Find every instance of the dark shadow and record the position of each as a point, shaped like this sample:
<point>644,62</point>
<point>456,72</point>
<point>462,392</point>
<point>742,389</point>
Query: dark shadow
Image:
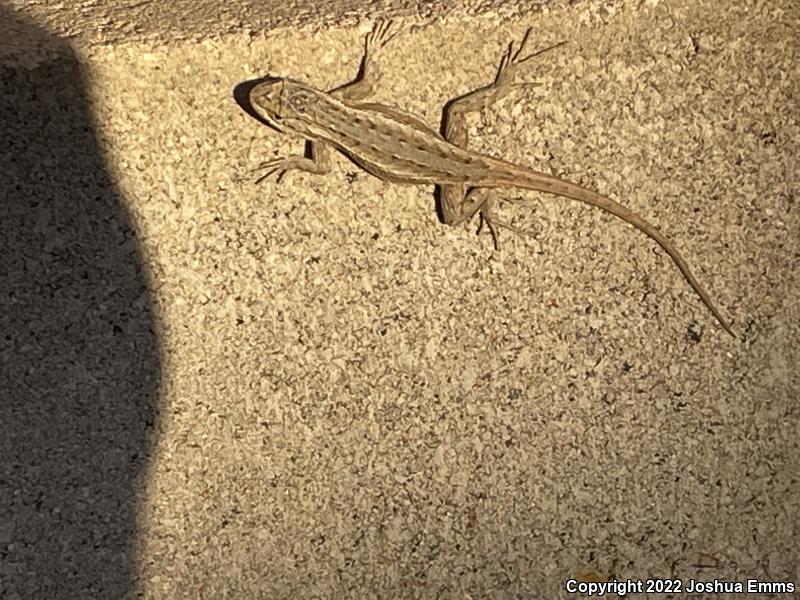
<point>241,95</point>
<point>79,358</point>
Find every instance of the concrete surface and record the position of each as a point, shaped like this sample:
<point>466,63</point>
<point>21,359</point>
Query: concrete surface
<point>97,22</point>
<point>213,389</point>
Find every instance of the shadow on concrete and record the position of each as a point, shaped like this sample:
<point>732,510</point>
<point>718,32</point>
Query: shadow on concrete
<point>79,358</point>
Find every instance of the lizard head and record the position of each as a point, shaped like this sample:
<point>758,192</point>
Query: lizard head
<point>286,105</point>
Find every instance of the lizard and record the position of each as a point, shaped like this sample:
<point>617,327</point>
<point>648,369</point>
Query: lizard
<point>400,147</point>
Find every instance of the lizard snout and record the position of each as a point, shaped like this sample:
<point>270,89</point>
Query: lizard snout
<point>266,98</point>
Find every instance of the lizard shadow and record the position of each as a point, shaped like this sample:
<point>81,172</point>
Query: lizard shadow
<point>79,353</point>
<point>241,95</point>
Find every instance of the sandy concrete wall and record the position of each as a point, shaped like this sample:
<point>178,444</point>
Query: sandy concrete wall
<point>118,21</point>
<point>213,388</point>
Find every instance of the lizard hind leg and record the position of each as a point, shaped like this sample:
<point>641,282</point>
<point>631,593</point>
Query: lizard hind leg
<point>454,126</point>
<point>457,206</point>
<point>484,201</point>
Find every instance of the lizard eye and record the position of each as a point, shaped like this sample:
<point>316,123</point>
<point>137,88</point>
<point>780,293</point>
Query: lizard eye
<point>300,100</point>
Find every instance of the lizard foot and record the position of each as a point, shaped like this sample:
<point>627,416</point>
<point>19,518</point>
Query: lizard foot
<point>493,224</point>
<point>511,62</point>
<point>281,166</point>
<point>382,33</point>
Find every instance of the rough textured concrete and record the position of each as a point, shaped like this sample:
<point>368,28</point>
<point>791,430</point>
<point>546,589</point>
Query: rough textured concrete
<point>96,22</point>
<point>314,389</point>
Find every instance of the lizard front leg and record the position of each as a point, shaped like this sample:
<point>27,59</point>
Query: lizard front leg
<point>316,161</point>
<point>457,203</point>
<point>363,85</point>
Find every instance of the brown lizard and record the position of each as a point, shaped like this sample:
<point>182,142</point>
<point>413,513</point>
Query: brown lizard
<point>401,147</point>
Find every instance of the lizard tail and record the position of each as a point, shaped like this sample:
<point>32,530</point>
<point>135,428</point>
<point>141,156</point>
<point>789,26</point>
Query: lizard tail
<point>546,183</point>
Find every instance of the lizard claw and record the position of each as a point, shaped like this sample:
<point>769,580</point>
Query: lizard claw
<point>281,166</point>
<point>492,230</point>
<point>511,61</point>
<point>528,84</point>
<point>493,225</point>
<point>382,33</point>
